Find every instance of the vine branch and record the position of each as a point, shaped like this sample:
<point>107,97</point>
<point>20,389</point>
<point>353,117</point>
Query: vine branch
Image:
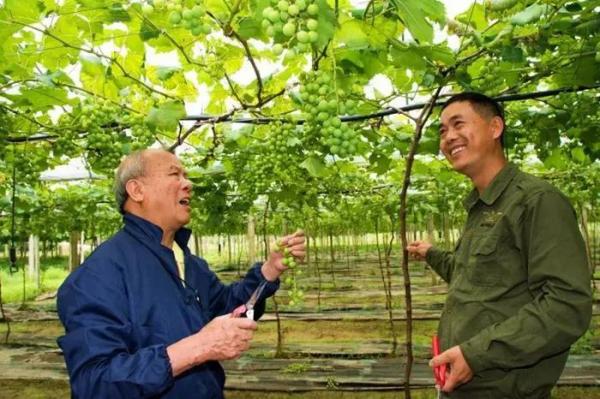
<point>227,117</point>
<point>112,60</point>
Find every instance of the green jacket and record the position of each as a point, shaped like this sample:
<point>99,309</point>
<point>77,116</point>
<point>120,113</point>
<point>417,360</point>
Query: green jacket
<point>519,290</point>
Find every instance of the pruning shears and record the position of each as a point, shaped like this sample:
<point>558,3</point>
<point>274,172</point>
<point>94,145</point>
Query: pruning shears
<point>248,307</point>
<point>439,372</point>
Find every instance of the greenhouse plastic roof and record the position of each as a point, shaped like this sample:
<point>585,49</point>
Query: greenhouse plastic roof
<point>74,170</point>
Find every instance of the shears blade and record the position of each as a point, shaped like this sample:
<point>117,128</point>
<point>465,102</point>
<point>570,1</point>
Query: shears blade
<point>248,307</point>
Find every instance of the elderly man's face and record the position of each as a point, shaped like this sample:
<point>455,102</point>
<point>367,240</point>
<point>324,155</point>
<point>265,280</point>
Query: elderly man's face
<point>167,190</point>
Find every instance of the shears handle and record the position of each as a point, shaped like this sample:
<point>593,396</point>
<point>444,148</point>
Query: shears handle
<point>239,311</point>
<point>439,372</point>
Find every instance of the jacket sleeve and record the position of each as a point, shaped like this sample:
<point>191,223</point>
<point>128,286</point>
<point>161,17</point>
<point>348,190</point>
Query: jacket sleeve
<point>559,280</point>
<point>224,299</point>
<point>441,261</point>
<point>101,357</point>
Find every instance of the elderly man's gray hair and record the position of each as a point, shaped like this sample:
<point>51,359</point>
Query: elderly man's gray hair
<point>131,167</point>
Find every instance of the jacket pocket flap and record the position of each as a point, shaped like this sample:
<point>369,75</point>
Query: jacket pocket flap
<point>486,246</point>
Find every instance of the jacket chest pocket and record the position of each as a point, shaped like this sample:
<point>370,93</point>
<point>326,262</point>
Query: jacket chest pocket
<point>484,267</point>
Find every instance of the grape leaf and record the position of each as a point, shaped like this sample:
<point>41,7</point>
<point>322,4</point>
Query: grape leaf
<point>166,116</point>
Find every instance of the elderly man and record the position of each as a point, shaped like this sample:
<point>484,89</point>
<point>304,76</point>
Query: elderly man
<point>519,283</point>
<point>138,325</point>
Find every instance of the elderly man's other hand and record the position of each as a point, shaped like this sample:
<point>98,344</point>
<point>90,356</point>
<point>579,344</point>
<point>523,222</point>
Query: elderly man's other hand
<point>295,245</point>
<point>225,337</point>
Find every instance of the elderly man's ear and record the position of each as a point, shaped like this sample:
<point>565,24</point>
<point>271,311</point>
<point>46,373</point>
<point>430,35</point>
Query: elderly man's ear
<point>135,190</point>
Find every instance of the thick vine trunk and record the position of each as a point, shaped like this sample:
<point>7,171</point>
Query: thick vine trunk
<point>431,239</point>
<point>33,269</point>
<point>308,249</point>
<point>586,236</point>
<point>319,281</point>
<point>279,348</point>
<point>332,258</point>
<point>229,254</point>
<point>420,124</point>
<point>74,254</point>
<point>250,237</point>
<point>198,244</point>
<point>4,318</point>
<point>331,250</point>
<point>238,241</point>
<point>386,289</point>
<point>388,270</point>
<point>347,245</point>
<point>44,249</point>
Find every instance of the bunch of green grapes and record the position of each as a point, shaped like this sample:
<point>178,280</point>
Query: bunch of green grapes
<point>252,171</point>
<point>321,105</point>
<point>108,131</point>
<point>257,176</point>
<point>103,152</point>
<point>97,112</point>
<point>283,152</point>
<point>29,161</point>
<point>106,140</point>
<point>500,5</point>
<point>295,294</point>
<point>272,162</point>
<point>490,75</point>
<point>142,136</point>
<point>191,15</point>
<point>282,139</point>
<point>292,20</point>
<point>66,143</point>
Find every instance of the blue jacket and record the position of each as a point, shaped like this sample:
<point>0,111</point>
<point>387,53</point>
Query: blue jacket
<point>125,304</point>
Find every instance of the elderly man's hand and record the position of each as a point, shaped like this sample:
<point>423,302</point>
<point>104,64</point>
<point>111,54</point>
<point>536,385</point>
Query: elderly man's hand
<point>225,337</point>
<point>459,370</point>
<point>295,245</point>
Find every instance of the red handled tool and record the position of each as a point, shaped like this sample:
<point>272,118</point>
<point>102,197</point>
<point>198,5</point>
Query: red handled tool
<point>439,372</point>
<point>248,308</point>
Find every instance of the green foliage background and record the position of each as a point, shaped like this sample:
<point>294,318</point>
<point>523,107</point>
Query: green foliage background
<point>78,79</point>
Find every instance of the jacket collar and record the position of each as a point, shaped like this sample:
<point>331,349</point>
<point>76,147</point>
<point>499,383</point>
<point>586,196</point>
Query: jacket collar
<point>495,189</point>
<point>142,227</point>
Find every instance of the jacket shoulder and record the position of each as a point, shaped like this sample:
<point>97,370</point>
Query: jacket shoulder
<point>106,261</point>
<point>115,249</point>
<point>538,192</point>
<point>533,186</point>
<point>201,263</point>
